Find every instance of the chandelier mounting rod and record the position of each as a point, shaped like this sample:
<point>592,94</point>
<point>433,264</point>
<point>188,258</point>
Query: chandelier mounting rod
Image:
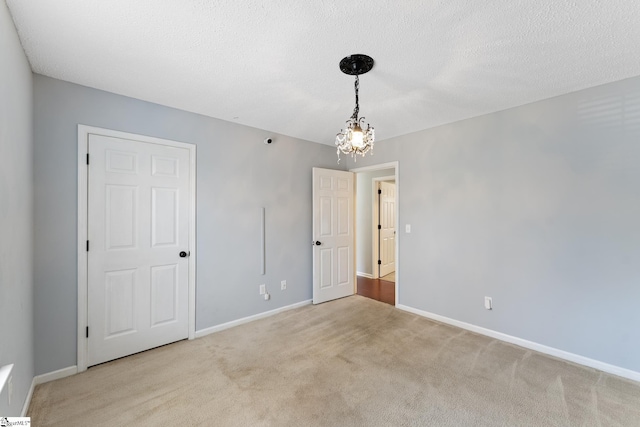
<point>356,110</point>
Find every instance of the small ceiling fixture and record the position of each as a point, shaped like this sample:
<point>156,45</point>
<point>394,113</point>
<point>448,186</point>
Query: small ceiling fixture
<point>354,139</point>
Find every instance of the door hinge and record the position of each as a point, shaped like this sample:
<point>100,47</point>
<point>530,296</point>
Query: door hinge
<point>379,262</point>
<point>379,191</point>
<point>87,158</point>
<point>87,246</point>
<point>379,227</point>
<point>87,332</point>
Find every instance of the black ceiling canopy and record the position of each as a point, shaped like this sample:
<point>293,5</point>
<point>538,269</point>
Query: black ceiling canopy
<point>357,64</point>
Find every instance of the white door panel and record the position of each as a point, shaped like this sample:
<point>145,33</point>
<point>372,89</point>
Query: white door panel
<point>333,224</point>
<point>387,228</point>
<point>138,223</point>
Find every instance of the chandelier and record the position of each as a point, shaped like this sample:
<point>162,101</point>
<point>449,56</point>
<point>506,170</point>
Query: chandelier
<point>355,139</point>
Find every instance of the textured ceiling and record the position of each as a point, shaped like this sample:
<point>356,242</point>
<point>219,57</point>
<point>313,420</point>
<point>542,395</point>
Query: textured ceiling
<point>274,64</point>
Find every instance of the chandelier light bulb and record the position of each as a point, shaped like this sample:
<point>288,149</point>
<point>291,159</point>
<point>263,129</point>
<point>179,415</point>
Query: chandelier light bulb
<point>357,137</point>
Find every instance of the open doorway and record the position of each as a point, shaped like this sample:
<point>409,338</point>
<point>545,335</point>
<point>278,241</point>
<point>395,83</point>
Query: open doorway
<point>376,238</point>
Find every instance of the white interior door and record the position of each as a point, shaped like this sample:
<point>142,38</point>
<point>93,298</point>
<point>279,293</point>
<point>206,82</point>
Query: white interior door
<point>333,235</point>
<point>387,228</point>
<point>138,225</point>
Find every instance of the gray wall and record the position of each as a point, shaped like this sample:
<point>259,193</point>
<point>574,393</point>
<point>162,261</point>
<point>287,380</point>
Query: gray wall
<point>364,220</point>
<point>236,175</point>
<point>536,206</point>
<point>16,214</point>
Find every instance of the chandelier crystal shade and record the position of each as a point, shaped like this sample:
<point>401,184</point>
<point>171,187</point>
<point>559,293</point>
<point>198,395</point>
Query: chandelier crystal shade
<point>355,138</point>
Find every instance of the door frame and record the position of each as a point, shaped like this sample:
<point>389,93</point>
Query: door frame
<point>375,212</point>
<point>396,167</point>
<point>83,313</point>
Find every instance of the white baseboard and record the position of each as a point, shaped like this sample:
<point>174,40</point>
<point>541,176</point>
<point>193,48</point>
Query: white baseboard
<point>27,400</point>
<point>367,275</point>
<point>223,326</point>
<point>45,378</point>
<point>561,354</point>
<point>55,375</point>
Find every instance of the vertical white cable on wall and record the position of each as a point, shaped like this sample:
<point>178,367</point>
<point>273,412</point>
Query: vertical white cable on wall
<point>263,260</point>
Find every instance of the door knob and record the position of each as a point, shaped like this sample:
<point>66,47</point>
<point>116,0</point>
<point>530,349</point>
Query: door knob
<point>183,254</point>
<point>318,243</point>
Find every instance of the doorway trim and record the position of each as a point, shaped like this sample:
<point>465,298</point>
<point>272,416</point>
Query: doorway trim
<point>396,167</point>
<point>375,212</point>
<point>83,313</point>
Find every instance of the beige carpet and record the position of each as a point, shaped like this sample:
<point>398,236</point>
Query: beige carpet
<point>351,362</point>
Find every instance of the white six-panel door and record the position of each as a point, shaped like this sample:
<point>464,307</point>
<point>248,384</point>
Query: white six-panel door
<point>333,235</point>
<point>387,228</point>
<point>138,223</point>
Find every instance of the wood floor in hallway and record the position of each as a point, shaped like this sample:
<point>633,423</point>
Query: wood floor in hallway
<point>377,289</point>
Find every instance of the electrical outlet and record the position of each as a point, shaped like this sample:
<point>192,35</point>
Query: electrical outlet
<point>267,297</point>
<point>263,289</point>
<point>488,303</point>
<point>10,389</point>
<point>283,285</point>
